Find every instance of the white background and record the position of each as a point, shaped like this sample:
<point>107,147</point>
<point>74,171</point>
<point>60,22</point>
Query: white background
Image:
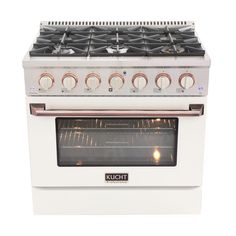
<point>215,24</point>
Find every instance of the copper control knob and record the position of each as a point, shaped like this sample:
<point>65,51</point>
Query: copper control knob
<point>186,80</point>
<point>92,81</point>
<point>46,81</point>
<point>116,81</point>
<point>69,81</point>
<point>163,81</point>
<point>139,81</point>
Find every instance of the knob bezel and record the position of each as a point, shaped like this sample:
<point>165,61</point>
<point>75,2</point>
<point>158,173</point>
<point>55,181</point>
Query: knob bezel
<point>185,75</point>
<point>90,75</point>
<point>44,75</point>
<point>69,75</point>
<point>139,75</point>
<point>163,75</point>
<point>116,75</point>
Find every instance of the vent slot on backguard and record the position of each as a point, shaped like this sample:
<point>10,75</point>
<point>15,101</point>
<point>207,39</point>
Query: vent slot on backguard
<point>117,23</point>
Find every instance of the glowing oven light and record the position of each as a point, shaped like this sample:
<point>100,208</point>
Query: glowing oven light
<point>156,156</point>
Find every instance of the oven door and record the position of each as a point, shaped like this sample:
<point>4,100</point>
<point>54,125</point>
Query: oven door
<point>116,145</point>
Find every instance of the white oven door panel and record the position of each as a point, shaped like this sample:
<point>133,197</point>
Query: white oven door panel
<point>43,148</point>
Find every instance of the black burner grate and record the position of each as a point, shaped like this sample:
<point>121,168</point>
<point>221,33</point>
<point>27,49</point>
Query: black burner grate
<point>117,41</point>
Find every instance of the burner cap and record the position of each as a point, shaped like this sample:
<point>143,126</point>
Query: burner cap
<point>172,49</point>
<point>63,51</point>
<point>117,49</point>
<point>68,51</point>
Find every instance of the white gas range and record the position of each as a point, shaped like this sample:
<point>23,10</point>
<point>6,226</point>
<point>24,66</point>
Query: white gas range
<point>116,117</point>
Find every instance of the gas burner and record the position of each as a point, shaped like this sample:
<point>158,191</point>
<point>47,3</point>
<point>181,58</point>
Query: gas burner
<point>174,49</point>
<point>121,49</point>
<point>83,41</point>
<point>64,51</point>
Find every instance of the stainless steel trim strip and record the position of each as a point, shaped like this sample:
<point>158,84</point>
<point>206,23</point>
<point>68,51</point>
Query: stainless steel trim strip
<point>40,110</point>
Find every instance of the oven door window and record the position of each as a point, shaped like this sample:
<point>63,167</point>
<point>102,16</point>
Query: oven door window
<point>116,142</point>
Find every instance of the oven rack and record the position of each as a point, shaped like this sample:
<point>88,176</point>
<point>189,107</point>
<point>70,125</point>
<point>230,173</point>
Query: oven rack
<point>113,139</point>
<point>78,129</point>
<point>94,133</point>
<point>107,147</point>
<point>106,123</point>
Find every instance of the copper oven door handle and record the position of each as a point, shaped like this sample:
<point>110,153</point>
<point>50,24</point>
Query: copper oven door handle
<point>39,110</point>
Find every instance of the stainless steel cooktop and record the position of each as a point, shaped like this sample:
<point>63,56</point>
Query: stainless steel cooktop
<point>125,39</point>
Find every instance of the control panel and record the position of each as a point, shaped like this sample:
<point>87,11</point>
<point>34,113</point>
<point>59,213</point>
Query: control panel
<point>116,81</point>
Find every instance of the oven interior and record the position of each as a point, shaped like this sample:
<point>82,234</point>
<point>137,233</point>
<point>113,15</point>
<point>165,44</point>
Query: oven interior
<point>116,141</point>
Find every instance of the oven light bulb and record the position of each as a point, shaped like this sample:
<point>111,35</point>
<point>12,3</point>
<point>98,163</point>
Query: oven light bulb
<point>156,156</point>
